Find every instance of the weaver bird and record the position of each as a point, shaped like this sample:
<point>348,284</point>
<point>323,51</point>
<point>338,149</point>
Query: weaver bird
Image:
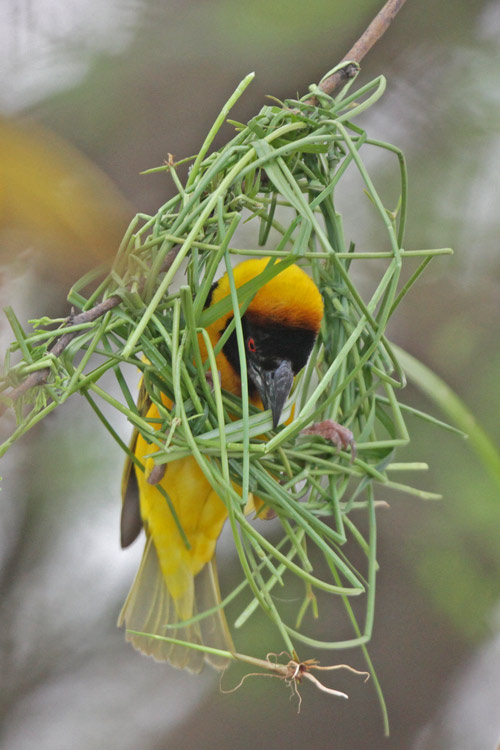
<point>174,583</point>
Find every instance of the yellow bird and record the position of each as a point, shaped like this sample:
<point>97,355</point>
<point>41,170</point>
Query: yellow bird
<point>173,582</point>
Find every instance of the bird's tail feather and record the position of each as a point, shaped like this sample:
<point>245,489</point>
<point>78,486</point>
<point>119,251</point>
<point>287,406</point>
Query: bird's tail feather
<point>214,627</point>
<point>149,607</point>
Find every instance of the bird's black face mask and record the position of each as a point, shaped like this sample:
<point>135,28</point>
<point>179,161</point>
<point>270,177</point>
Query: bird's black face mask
<point>273,385</point>
<point>275,354</point>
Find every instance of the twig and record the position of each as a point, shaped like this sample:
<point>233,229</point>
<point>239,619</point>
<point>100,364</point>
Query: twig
<point>370,36</point>
<point>59,345</point>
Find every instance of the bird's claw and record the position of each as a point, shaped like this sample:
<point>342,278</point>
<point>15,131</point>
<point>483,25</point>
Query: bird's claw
<point>340,436</point>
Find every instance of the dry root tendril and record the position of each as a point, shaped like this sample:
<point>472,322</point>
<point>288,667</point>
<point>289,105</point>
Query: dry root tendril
<point>294,672</point>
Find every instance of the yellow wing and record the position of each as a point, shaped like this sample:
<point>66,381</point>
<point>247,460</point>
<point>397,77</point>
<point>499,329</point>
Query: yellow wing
<point>164,590</point>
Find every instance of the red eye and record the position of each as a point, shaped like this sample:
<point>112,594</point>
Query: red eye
<point>251,345</point>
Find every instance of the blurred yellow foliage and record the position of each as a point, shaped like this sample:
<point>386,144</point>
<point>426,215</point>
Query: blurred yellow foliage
<point>53,200</point>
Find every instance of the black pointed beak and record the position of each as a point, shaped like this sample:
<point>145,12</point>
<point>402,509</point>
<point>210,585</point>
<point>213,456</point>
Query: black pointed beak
<point>273,385</point>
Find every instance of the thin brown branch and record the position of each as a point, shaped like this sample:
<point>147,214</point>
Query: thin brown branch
<point>370,36</point>
<point>59,345</point>
<point>171,256</point>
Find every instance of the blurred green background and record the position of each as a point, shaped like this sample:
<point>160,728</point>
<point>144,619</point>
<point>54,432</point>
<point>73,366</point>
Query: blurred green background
<point>125,83</point>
